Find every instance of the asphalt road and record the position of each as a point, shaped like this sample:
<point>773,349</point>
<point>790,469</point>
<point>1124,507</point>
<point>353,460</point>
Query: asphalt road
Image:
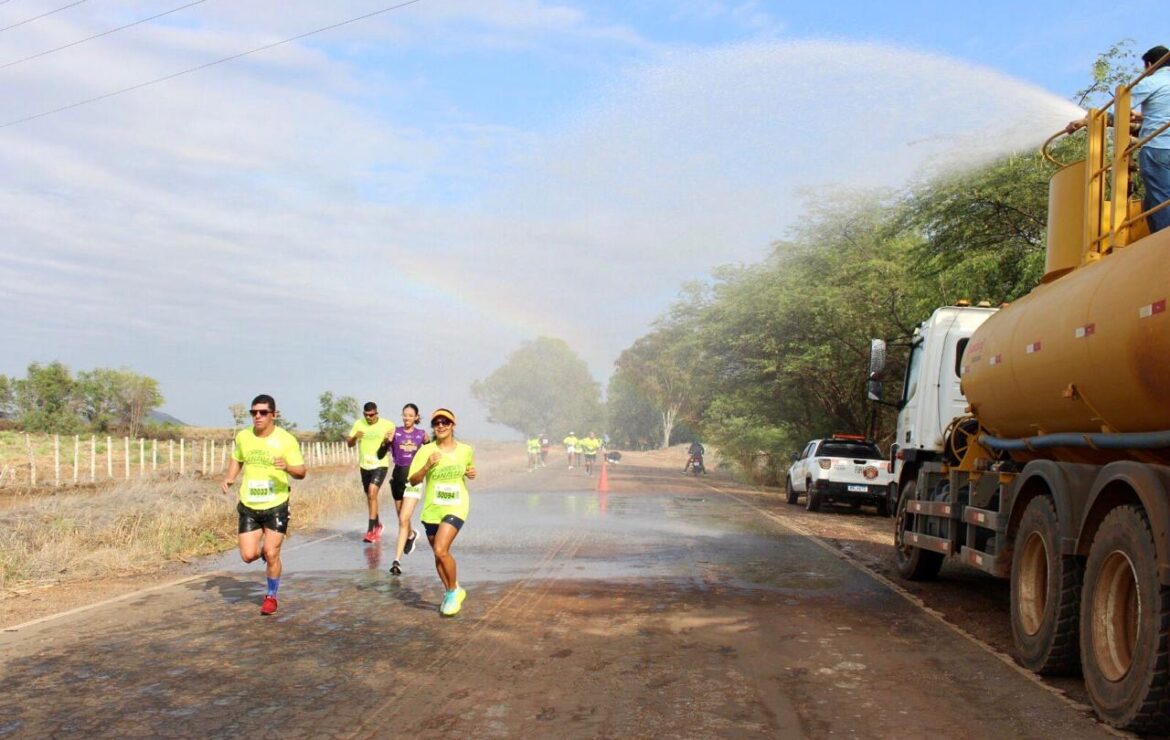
<point>667,607</point>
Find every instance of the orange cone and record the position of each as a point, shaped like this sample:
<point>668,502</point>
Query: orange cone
<point>603,480</point>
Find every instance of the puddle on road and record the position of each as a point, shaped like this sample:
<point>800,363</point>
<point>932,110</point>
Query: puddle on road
<point>569,536</point>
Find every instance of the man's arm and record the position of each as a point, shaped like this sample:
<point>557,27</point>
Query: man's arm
<point>232,472</point>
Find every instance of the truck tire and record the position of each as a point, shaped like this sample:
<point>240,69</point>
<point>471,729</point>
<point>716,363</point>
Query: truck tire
<point>1125,625</point>
<point>812,499</point>
<point>792,496</point>
<point>914,563</point>
<point>1045,594</point>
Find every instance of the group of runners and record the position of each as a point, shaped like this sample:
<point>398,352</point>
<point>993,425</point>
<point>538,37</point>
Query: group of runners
<point>433,471</point>
<point>583,449</point>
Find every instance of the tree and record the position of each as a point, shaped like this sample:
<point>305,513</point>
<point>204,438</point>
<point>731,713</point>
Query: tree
<point>542,387</point>
<point>6,396</point>
<point>335,416</point>
<point>239,412</point>
<point>45,399</point>
<point>120,399</point>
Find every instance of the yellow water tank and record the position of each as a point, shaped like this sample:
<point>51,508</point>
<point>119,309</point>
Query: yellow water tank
<point>1087,352</point>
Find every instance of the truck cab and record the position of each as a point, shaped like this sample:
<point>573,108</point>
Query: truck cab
<point>931,397</point>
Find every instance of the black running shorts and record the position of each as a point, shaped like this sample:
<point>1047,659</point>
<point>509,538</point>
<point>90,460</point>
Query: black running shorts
<point>375,477</point>
<point>398,481</point>
<point>454,521</point>
<point>274,519</point>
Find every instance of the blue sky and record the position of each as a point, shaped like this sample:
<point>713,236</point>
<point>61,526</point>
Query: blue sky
<point>388,209</point>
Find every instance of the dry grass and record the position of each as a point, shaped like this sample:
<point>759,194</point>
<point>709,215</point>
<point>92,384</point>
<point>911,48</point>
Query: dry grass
<point>135,527</point>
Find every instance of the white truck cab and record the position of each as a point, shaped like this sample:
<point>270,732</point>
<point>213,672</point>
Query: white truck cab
<point>931,395</point>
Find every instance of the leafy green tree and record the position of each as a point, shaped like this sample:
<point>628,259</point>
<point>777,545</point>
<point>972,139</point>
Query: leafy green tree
<point>45,399</point>
<point>1115,66</point>
<point>543,387</point>
<point>336,416</point>
<point>6,395</point>
<point>633,422</point>
<point>116,399</point>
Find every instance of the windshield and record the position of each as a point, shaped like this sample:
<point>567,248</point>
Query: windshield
<point>855,450</point>
<point>913,369</point>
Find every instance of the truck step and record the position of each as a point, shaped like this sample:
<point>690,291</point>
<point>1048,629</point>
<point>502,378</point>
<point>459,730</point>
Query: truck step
<point>927,542</point>
<point>981,560</point>
<point>931,508</point>
<point>981,518</point>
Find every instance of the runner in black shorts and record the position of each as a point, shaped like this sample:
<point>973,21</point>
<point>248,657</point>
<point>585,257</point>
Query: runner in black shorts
<point>402,446</point>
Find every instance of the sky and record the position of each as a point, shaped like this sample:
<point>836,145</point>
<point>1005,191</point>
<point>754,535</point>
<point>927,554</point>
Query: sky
<point>389,208</point>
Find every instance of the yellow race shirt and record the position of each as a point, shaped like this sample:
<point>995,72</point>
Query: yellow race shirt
<point>262,485</point>
<point>570,443</point>
<point>446,491</point>
<point>590,445</point>
<point>371,440</point>
<point>534,445</point>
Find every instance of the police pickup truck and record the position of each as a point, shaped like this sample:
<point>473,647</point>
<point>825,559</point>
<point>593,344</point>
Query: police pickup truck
<point>843,468</point>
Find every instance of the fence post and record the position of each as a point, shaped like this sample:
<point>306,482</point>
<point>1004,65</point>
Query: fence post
<point>57,460</point>
<point>182,457</point>
<point>93,458</point>
<point>32,463</point>
<point>141,457</point>
<point>76,457</point>
<point>171,456</point>
<point>109,457</point>
<point>154,456</point>
<point>126,461</point>
<point>213,455</point>
<point>203,456</point>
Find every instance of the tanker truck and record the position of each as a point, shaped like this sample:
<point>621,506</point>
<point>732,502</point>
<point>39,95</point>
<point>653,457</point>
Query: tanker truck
<point>1033,440</point>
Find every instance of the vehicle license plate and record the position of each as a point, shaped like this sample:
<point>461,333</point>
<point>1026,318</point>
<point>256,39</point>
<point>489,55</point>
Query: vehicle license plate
<point>858,489</point>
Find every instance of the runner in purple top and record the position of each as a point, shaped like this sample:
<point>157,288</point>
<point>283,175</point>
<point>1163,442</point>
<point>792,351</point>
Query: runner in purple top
<point>406,441</point>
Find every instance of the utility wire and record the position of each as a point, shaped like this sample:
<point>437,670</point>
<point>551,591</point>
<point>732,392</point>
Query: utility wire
<point>42,15</point>
<point>199,67</point>
<point>6,65</point>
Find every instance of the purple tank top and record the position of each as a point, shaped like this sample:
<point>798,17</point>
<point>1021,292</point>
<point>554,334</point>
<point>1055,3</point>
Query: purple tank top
<point>405,444</point>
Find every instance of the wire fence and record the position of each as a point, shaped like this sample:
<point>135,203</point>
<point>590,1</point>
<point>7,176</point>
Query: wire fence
<point>56,461</point>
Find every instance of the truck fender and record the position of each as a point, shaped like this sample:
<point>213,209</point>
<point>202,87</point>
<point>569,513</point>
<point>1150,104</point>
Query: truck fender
<point>1128,482</point>
<point>1068,484</point>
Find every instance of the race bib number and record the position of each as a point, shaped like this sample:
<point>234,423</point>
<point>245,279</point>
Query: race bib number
<point>414,491</point>
<point>261,490</point>
<point>448,494</point>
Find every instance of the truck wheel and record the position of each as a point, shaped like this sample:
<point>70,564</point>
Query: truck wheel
<point>1046,593</point>
<point>914,563</point>
<point>812,499</point>
<point>792,494</point>
<point>1125,625</point>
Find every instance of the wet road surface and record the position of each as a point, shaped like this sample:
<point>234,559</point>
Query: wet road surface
<point>663,608</point>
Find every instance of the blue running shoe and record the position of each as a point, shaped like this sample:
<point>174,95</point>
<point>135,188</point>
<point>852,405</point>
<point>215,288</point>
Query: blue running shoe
<point>453,602</point>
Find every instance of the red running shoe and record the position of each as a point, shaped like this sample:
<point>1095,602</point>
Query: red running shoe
<point>269,606</point>
<point>375,535</point>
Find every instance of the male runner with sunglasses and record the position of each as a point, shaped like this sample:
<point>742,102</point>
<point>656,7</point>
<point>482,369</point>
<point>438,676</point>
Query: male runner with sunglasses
<point>371,431</point>
<point>268,456</point>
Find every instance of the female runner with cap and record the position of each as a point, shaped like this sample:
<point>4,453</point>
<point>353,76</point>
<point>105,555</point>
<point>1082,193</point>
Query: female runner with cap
<point>445,463</point>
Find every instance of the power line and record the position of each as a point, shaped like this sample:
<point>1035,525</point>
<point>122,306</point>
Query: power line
<point>199,67</point>
<point>42,15</point>
<point>96,35</point>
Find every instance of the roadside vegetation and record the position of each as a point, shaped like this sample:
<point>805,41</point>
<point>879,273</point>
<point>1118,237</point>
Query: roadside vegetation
<point>135,527</point>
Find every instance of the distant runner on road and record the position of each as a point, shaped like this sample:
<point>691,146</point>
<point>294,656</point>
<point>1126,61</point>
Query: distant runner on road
<point>402,446</point>
<point>368,433</point>
<point>589,447</point>
<point>445,464</point>
<point>533,445</point>
<point>268,456</point>
<point>571,448</point>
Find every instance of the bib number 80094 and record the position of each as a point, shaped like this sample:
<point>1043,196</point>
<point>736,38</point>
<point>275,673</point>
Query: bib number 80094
<point>447,494</point>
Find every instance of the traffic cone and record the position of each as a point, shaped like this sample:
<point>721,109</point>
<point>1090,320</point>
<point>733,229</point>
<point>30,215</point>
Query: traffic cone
<point>603,480</point>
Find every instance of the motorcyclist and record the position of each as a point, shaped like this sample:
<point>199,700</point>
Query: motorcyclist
<point>695,458</point>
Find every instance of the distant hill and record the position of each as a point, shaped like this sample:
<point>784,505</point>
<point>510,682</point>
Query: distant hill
<point>161,418</point>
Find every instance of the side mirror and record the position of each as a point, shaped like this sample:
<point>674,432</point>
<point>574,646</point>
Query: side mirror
<point>873,389</point>
<point>795,457</point>
<point>877,360</point>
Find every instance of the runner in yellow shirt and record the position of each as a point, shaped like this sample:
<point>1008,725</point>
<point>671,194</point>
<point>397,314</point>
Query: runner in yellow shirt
<point>589,447</point>
<point>267,456</point>
<point>533,453</point>
<point>445,464</point>
<point>369,433</point>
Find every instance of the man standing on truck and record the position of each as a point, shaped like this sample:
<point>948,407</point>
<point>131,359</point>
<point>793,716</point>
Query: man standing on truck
<point>1152,94</point>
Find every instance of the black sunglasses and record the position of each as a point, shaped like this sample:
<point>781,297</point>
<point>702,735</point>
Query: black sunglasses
<point>259,412</point>
<point>442,423</point>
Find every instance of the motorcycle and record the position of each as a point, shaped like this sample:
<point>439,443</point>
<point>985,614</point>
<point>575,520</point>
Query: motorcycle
<point>695,465</point>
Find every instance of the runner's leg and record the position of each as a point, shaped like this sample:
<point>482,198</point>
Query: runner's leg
<point>444,561</point>
<point>250,545</point>
<point>272,543</point>
<point>405,512</point>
